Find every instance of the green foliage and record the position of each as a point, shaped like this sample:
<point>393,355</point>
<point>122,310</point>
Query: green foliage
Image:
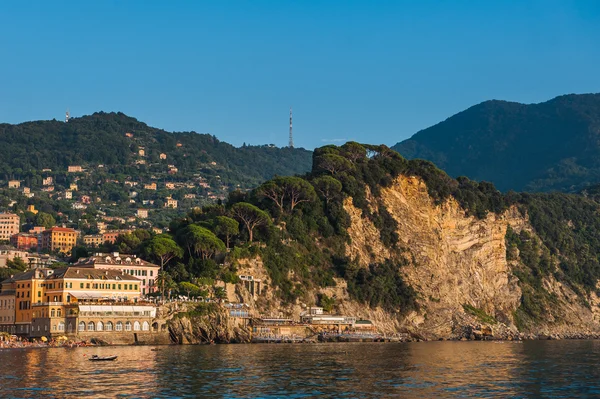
<point>251,216</point>
<point>17,264</point>
<point>191,290</point>
<point>164,248</point>
<point>202,309</point>
<point>326,303</point>
<point>481,315</point>
<point>201,241</point>
<point>100,139</point>
<point>45,219</point>
<point>226,227</point>
<point>379,285</point>
<point>535,147</point>
<point>219,293</point>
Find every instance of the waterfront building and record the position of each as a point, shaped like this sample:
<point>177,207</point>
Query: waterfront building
<point>315,316</point>
<point>75,300</point>
<point>14,183</point>
<point>130,264</point>
<point>7,308</point>
<point>9,225</point>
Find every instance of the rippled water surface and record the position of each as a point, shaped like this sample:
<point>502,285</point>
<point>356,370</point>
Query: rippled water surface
<point>548,369</point>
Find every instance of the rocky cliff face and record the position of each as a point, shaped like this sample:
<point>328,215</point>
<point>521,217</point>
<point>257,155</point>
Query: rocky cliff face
<point>456,263</point>
<point>188,326</point>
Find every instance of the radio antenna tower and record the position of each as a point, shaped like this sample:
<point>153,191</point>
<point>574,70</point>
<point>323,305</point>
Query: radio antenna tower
<point>291,144</point>
<point>67,116</point>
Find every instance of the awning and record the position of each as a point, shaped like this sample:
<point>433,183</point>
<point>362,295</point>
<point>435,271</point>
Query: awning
<point>93,295</point>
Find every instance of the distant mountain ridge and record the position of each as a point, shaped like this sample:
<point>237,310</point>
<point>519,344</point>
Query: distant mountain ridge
<point>115,140</point>
<point>550,146</point>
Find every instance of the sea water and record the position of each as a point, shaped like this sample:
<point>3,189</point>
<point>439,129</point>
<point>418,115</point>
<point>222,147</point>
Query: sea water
<point>534,369</point>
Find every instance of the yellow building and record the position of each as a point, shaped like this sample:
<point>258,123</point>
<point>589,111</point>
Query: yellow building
<point>93,240</point>
<point>75,300</point>
<point>59,239</point>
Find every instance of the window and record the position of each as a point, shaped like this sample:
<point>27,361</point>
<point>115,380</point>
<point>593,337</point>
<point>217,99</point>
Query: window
<point>128,326</point>
<point>119,286</point>
<point>109,326</point>
<point>81,326</point>
<point>114,286</point>
<point>58,312</point>
<point>91,326</point>
<point>145,326</point>
<point>80,285</point>
<point>100,326</point>
<point>136,326</point>
<point>119,326</point>
<point>61,326</point>
<point>52,313</point>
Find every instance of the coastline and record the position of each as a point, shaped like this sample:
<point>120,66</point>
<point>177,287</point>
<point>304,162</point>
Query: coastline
<point>23,344</point>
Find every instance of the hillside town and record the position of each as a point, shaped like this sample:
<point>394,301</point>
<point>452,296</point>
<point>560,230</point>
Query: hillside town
<point>91,198</point>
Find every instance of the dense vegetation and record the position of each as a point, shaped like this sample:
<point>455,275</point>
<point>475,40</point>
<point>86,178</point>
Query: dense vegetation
<point>539,147</point>
<point>298,227</point>
<point>99,139</point>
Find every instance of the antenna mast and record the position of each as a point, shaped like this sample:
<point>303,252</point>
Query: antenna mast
<point>291,144</point>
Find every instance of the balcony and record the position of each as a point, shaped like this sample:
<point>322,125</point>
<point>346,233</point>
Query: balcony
<point>48,304</point>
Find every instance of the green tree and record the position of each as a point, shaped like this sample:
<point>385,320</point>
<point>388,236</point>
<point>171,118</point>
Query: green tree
<point>328,186</point>
<point>201,241</point>
<point>17,264</point>
<point>219,293</point>
<point>191,290</point>
<point>290,190</point>
<point>226,227</point>
<point>164,248</point>
<point>250,215</point>
<point>333,163</point>
<point>45,219</point>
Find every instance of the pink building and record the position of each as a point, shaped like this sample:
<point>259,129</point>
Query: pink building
<point>130,264</point>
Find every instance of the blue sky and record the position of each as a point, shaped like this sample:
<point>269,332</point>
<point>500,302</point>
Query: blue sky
<point>370,71</point>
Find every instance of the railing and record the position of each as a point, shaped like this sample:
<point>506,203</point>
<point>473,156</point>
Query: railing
<point>49,304</point>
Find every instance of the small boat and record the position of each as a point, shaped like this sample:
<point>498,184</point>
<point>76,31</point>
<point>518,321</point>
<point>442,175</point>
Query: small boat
<point>96,358</point>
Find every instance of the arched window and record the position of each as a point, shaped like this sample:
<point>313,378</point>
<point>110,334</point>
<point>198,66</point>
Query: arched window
<point>58,312</point>
<point>145,326</point>
<point>119,326</point>
<point>70,328</point>
<point>155,326</point>
<point>109,326</point>
<point>81,326</point>
<point>136,326</point>
<point>128,326</point>
<point>61,326</point>
<point>52,313</point>
<point>100,326</point>
<point>91,326</point>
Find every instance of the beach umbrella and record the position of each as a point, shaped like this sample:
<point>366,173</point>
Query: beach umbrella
<point>44,339</point>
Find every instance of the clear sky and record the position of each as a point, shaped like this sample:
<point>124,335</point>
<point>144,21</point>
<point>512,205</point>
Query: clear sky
<point>370,71</point>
